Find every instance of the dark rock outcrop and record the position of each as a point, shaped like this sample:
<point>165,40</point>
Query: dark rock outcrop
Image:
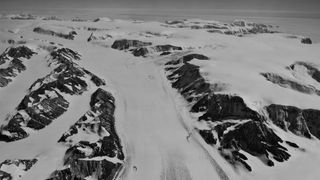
<point>41,30</point>
<point>84,158</point>
<point>124,44</point>
<point>144,51</point>
<point>306,40</point>
<point>52,18</point>
<point>140,51</point>
<point>167,47</point>
<point>311,117</point>
<point>255,138</point>
<point>139,48</point>
<point>302,122</point>
<point>289,118</point>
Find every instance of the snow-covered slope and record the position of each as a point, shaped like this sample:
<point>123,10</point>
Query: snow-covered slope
<point>189,99</point>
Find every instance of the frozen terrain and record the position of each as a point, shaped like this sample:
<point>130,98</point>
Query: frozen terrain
<point>181,100</point>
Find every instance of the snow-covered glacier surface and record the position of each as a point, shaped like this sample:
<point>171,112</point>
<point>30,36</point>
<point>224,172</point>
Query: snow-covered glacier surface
<point>182,99</point>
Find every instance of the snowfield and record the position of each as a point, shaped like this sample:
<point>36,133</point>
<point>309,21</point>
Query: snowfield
<point>159,135</point>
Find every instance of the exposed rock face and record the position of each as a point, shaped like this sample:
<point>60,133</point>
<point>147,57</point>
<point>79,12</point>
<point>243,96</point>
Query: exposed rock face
<point>44,102</point>
<point>140,51</point>
<point>11,41</point>
<point>124,44</point>
<point>78,19</point>
<point>64,56</point>
<point>300,122</point>
<point>34,114</point>
<point>306,40</point>
<point>14,57</point>
<point>252,28</point>
<point>255,138</point>
<point>41,30</point>
<point>139,48</point>
<point>101,157</point>
<point>312,119</point>
<point>287,83</point>
<point>144,51</point>
<point>17,167</point>
<point>233,125</point>
<point>167,47</point>
<point>219,107</point>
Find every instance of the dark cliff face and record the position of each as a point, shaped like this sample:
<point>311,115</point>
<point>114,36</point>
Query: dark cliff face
<point>99,120</point>
<point>15,56</point>
<point>302,122</point>
<point>299,121</point>
<point>44,102</point>
<point>236,126</point>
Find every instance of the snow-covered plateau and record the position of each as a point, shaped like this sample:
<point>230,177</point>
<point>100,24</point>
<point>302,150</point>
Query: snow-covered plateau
<point>184,99</point>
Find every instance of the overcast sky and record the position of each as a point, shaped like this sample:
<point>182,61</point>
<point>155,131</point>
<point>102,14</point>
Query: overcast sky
<point>287,5</point>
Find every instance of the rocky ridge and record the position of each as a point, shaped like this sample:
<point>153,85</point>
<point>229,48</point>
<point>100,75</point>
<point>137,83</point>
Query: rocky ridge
<point>44,101</point>
<point>11,63</point>
<point>237,27</point>
<point>140,48</point>
<point>94,148</point>
<point>232,126</point>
